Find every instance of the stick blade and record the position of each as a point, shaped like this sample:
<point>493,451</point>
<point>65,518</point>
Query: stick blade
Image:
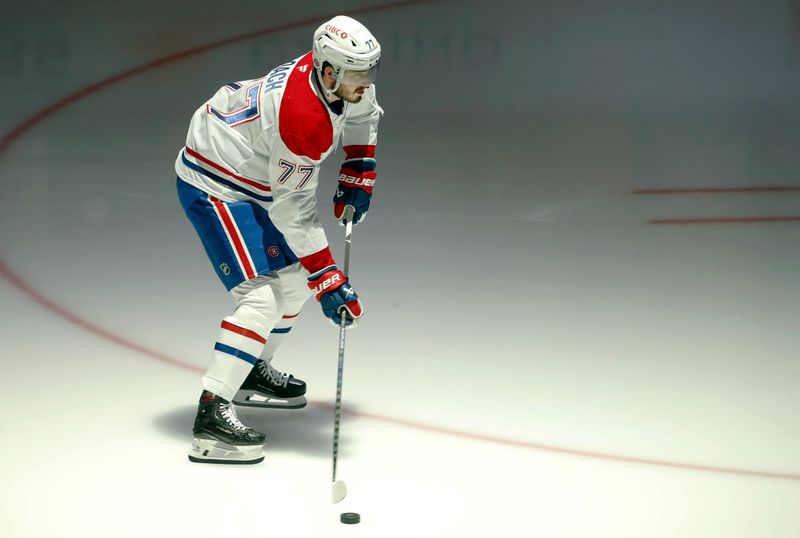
<point>338,491</point>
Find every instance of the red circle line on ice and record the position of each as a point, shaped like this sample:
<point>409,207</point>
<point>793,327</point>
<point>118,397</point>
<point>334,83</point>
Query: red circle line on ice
<point>67,315</point>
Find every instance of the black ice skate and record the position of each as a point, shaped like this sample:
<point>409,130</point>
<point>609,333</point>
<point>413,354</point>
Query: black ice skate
<point>219,437</point>
<point>267,387</point>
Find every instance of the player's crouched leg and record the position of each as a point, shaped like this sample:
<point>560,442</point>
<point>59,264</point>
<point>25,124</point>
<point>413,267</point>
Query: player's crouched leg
<point>218,434</point>
<point>266,386</point>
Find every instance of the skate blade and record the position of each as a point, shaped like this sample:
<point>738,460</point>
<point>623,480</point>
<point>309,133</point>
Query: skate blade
<point>195,459</point>
<point>213,451</point>
<point>256,399</point>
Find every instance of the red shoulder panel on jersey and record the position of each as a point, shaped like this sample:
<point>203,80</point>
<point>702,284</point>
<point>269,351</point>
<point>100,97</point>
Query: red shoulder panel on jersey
<point>305,125</point>
<point>360,152</point>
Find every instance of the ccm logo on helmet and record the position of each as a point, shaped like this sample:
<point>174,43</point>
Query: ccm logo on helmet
<point>334,30</point>
<point>344,178</point>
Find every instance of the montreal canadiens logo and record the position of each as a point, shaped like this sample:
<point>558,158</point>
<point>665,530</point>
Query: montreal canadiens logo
<point>273,251</point>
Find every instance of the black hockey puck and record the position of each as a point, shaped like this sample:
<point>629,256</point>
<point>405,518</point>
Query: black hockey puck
<point>350,518</point>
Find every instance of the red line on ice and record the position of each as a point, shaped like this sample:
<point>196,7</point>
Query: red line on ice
<point>726,220</point>
<point>718,190</point>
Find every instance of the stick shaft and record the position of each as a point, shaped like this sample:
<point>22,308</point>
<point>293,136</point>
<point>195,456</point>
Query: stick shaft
<point>348,234</point>
<point>338,413</point>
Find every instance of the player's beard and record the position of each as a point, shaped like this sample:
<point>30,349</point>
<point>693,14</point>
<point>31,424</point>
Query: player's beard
<point>348,93</point>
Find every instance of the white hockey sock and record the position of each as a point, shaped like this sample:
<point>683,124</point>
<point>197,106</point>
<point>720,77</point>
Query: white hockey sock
<point>235,353</point>
<point>278,335</point>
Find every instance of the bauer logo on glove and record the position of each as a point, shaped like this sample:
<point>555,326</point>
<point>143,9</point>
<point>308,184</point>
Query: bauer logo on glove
<point>327,283</point>
<point>355,180</point>
<point>335,295</point>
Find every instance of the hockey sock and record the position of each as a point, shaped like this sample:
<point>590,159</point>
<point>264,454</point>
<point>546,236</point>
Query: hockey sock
<point>278,335</point>
<point>235,352</point>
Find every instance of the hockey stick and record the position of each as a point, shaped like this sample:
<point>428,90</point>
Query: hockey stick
<point>338,487</point>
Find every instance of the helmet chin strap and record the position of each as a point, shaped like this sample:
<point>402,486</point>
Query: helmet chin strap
<point>337,81</point>
<point>328,91</point>
<point>333,90</point>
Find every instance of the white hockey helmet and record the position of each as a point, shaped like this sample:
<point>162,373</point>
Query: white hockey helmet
<point>350,48</point>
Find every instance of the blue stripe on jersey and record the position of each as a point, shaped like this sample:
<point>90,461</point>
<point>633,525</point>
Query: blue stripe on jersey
<point>281,331</point>
<point>222,180</point>
<point>234,85</point>
<point>360,165</point>
<point>236,353</point>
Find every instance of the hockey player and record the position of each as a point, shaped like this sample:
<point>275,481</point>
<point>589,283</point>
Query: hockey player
<point>247,179</point>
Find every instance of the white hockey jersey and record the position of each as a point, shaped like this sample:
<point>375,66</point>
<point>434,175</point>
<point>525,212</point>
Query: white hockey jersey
<point>263,140</point>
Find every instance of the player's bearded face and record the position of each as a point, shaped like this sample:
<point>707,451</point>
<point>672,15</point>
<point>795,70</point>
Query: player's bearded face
<point>355,83</point>
<point>351,94</point>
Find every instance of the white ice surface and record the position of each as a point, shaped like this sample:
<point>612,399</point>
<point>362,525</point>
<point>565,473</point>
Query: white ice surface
<point>513,288</point>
